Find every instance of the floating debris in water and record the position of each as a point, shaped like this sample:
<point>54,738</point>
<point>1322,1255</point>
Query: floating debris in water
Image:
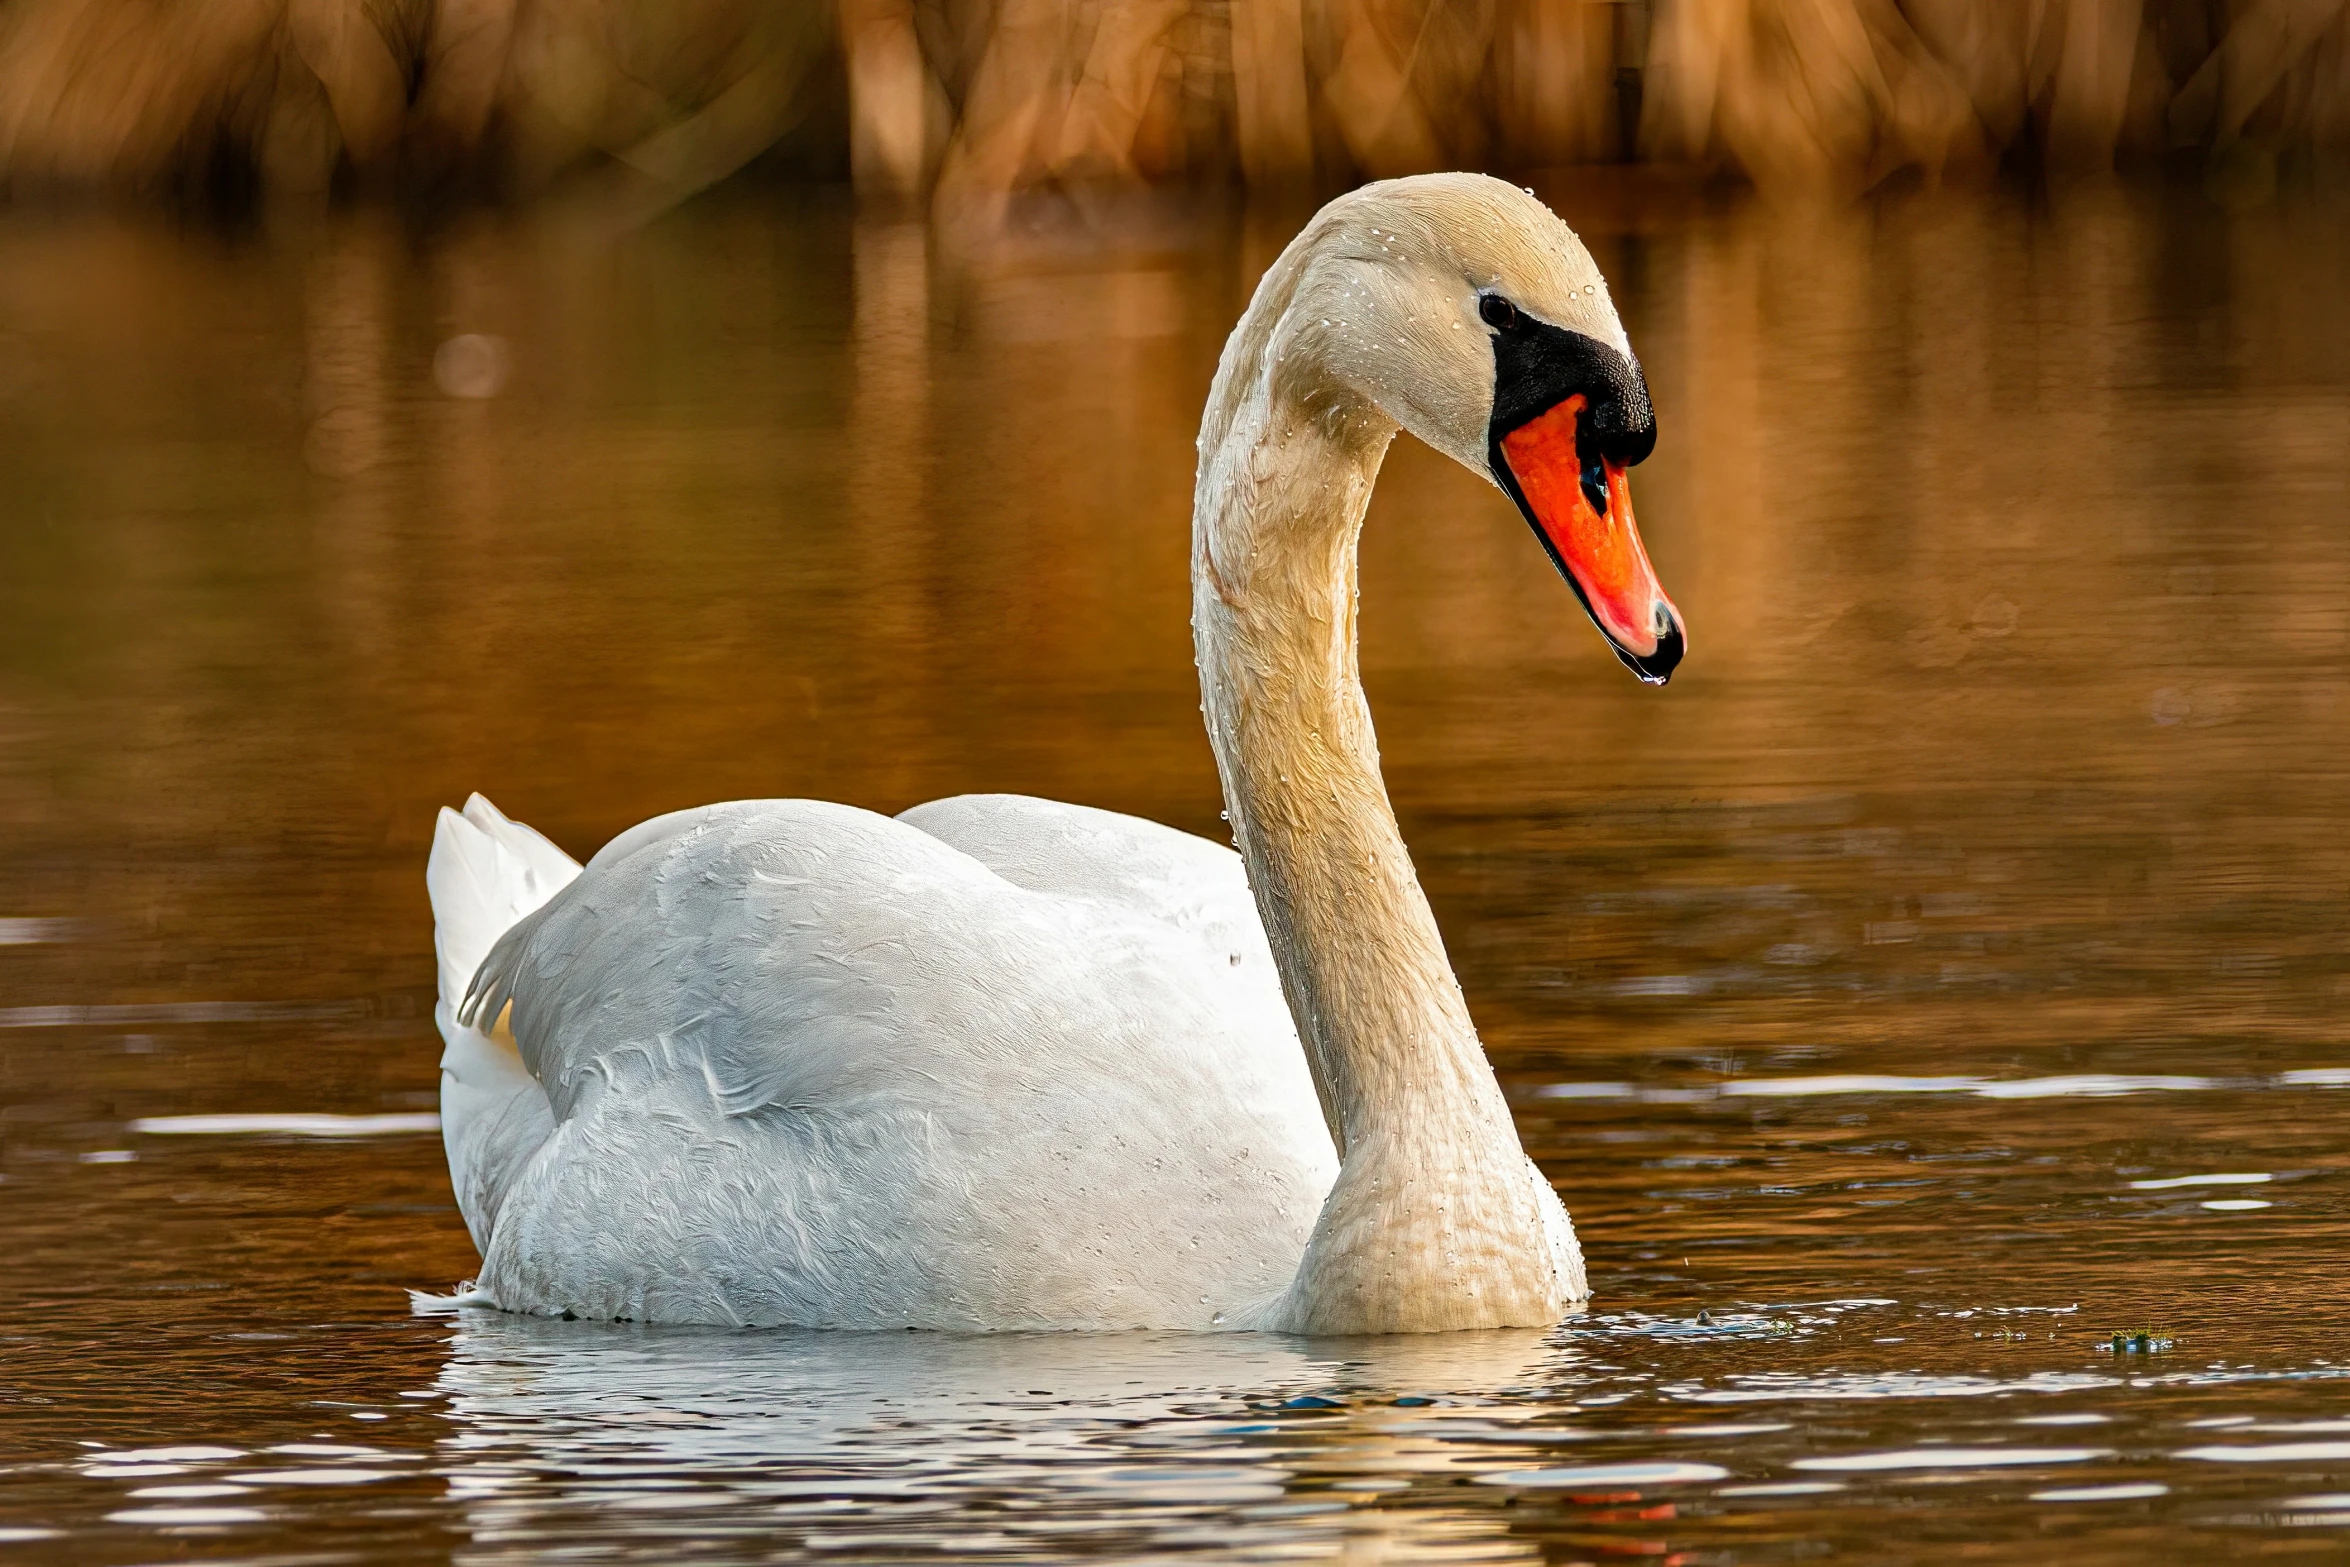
<point>2140,1341</point>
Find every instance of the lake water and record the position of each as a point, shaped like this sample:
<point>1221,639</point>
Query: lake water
<point>1945,973</point>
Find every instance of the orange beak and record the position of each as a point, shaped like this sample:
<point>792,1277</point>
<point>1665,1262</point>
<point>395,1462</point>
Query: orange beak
<point>1584,514</point>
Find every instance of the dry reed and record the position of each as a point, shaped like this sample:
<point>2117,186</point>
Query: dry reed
<point>979,99</point>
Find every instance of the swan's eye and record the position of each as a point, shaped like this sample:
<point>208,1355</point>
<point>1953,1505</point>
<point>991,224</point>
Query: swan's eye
<point>1595,485</point>
<point>1496,311</point>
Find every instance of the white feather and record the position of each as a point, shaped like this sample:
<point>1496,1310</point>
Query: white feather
<point>805,1064</point>
<point>484,874</point>
<point>1006,1063</point>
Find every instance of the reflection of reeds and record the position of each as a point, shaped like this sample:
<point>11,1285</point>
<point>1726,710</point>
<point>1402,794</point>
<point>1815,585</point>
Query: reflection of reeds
<point>296,93</point>
<point>986,97</point>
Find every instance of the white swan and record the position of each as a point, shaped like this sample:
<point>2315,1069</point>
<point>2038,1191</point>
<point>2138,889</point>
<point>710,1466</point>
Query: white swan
<point>1006,1063</point>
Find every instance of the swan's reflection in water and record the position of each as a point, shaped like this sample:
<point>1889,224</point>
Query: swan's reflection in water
<point>1030,1446</point>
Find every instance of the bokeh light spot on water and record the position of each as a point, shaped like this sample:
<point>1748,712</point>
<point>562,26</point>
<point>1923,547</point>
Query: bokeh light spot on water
<point>1886,997</point>
<point>472,365</point>
<point>1995,616</point>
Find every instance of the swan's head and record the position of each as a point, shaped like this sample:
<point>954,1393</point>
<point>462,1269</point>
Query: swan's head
<point>1474,318</point>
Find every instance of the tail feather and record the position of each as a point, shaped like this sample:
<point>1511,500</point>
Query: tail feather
<point>486,872</point>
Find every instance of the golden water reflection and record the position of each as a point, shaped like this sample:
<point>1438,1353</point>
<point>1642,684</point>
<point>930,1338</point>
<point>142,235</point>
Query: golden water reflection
<point>2008,750</point>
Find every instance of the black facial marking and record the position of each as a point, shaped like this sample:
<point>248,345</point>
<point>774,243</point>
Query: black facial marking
<point>1537,366</point>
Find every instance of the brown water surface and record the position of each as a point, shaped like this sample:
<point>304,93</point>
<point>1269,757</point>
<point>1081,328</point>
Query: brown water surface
<point>1942,974</point>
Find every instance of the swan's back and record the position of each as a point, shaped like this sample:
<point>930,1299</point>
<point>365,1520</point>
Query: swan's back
<point>1001,1064</point>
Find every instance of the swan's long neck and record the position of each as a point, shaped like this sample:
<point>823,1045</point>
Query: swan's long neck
<point>1377,1006</point>
<point>1437,1220</point>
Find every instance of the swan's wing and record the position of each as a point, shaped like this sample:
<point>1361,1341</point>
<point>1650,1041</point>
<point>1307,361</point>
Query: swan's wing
<point>782,949</point>
<point>825,1054</point>
<point>485,874</point>
<point>1075,851</point>
<point>787,952</point>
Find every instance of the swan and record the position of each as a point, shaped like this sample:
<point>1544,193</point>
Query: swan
<point>1004,1063</point>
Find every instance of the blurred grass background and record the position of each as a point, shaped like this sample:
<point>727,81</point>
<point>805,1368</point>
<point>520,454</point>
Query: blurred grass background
<point>968,102</point>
